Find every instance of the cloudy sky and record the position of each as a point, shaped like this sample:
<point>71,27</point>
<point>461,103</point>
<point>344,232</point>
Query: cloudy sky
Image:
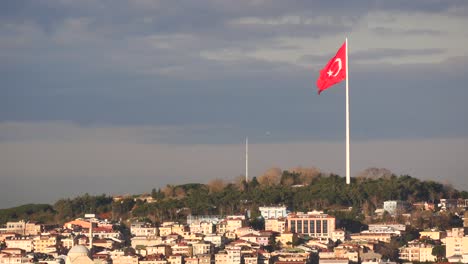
<point>120,96</point>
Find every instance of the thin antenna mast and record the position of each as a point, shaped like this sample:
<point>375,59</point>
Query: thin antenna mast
<point>246,159</point>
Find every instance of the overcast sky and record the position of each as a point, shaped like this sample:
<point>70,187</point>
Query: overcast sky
<point>122,96</point>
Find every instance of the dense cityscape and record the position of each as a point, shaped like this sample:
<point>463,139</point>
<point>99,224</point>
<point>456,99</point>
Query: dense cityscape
<point>129,229</point>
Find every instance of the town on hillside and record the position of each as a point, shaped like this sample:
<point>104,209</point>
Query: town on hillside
<point>278,236</point>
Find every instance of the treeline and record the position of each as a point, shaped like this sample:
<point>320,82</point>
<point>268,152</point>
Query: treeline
<point>299,190</point>
<point>33,212</point>
<point>298,193</point>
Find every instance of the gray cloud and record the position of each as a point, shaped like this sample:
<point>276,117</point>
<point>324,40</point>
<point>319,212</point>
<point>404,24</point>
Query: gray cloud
<point>172,75</point>
<point>376,54</point>
<point>407,32</point>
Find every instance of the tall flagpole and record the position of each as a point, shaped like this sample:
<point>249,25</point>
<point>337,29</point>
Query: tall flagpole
<point>246,159</point>
<point>348,178</point>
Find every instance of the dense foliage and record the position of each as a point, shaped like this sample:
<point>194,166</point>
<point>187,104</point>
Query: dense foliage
<point>298,193</point>
<point>33,212</point>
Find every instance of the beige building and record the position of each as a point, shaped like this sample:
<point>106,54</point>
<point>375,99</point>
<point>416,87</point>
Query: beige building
<point>433,234</point>
<point>25,243</point>
<point>216,240</point>
<point>145,241</point>
<point>286,239</point>
<point>251,259</point>
<point>175,259</point>
<point>143,229</point>
<point>182,249</point>
<point>202,248</point>
<point>383,237</point>
<point>164,250</point>
<point>230,225</point>
<point>456,243</point>
<point>202,227</point>
<point>13,256</point>
<point>118,257</point>
<point>44,244</point>
<point>23,228</point>
<point>420,252</point>
<point>276,225</point>
<point>315,224</point>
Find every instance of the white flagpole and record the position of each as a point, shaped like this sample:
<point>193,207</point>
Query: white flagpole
<point>246,159</point>
<point>348,178</point>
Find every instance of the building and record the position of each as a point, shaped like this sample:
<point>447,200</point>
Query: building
<point>202,248</point>
<point>118,257</point>
<point>372,237</point>
<point>338,234</point>
<point>269,212</point>
<point>202,227</point>
<point>13,256</point>
<point>143,229</point>
<point>44,244</point>
<point>77,223</point>
<point>164,250</point>
<point>216,240</point>
<point>448,204</point>
<point>145,241</point>
<point>230,225</point>
<point>384,228</point>
<point>214,219</point>
<point>419,252</point>
<point>433,234</point>
<point>456,243</point>
<point>23,228</point>
<point>314,224</point>
<point>395,207</point>
<point>25,243</point>
<point>276,224</point>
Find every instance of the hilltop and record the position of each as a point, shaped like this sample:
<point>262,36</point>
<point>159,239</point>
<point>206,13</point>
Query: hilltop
<point>298,190</point>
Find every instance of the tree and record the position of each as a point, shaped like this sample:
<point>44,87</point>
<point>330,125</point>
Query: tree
<point>271,177</point>
<point>439,252</point>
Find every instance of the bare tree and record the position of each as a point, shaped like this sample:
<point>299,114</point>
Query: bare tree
<point>374,173</point>
<point>306,175</point>
<point>216,185</point>
<point>271,177</point>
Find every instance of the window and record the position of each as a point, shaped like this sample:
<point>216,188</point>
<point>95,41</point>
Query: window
<point>312,226</point>
<point>306,226</point>
<point>299,226</point>
<point>293,226</point>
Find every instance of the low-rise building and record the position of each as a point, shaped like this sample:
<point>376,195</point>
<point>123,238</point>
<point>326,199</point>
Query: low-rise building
<point>143,229</point>
<point>25,243</point>
<point>44,244</point>
<point>416,251</point>
<point>269,212</point>
<point>276,224</point>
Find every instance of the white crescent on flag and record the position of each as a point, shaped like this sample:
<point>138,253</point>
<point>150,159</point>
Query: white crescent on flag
<point>340,65</point>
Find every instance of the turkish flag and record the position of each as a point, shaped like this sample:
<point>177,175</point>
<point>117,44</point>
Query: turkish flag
<point>334,71</point>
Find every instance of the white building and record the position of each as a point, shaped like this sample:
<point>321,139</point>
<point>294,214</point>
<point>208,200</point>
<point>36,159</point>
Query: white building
<point>269,212</point>
<point>143,229</point>
<point>395,207</point>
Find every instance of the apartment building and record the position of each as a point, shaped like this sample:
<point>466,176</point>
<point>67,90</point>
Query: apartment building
<point>314,224</point>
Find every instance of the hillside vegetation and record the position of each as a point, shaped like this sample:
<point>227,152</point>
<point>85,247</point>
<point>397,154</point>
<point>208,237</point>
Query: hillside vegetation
<point>298,190</point>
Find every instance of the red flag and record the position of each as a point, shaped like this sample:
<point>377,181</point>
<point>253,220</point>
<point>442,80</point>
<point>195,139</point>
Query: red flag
<point>334,71</point>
